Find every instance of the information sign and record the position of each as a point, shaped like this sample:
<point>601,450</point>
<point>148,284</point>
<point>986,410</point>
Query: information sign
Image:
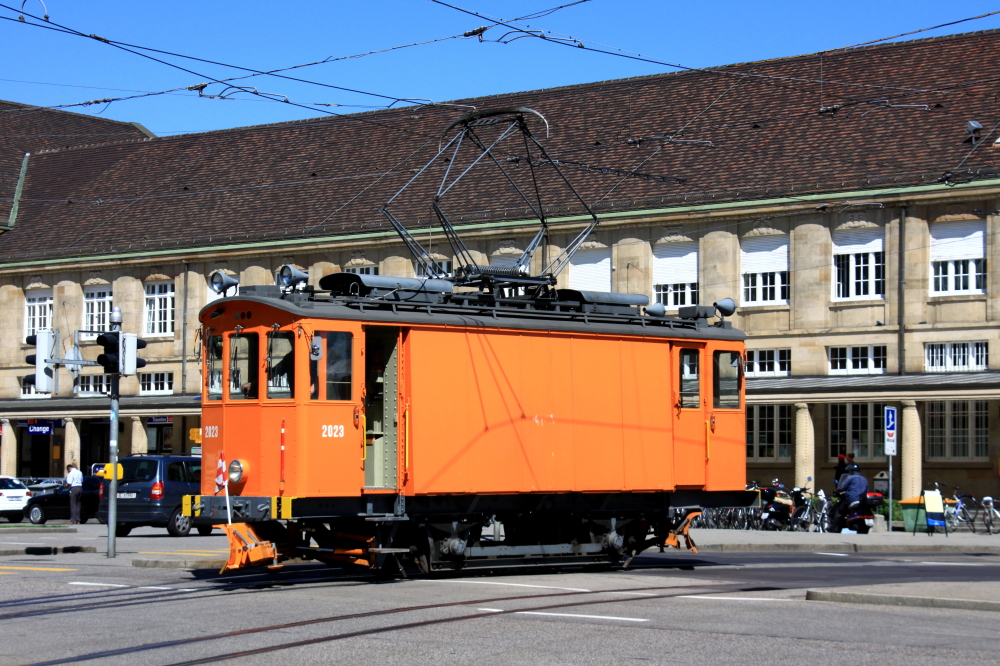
<point>890,431</point>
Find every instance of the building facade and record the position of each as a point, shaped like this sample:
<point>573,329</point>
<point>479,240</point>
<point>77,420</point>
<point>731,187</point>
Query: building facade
<point>863,262</point>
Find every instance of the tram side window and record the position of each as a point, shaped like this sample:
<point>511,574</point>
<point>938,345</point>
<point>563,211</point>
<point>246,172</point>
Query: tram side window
<point>281,364</point>
<point>726,379</point>
<point>243,366</point>
<point>213,371</point>
<point>690,379</point>
<point>331,366</point>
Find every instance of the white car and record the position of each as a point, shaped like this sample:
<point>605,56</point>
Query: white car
<point>13,496</point>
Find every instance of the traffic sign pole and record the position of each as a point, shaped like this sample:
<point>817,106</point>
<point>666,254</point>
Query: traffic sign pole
<point>890,450</point>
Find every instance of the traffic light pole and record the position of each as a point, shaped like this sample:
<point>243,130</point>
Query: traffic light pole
<point>116,325</point>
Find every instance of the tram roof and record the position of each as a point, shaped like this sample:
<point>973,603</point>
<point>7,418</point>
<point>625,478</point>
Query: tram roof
<point>478,317</point>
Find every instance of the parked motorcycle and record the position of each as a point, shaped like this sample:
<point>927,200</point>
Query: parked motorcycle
<point>860,515</point>
<point>775,507</point>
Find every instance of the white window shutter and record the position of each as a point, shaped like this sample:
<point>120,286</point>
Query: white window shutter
<point>764,254</point>
<point>965,239</point>
<point>675,262</point>
<point>504,260</point>
<point>853,241</point>
<point>590,270</point>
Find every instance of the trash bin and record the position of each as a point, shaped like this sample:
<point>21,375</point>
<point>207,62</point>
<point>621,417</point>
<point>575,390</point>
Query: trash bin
<point>913,512</point>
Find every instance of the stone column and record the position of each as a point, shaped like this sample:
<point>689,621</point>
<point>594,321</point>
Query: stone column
<point>912,472</point>
<point>805,447</point>
<point>8,449</point>
<point>139,443</point>
<point>72,443</point>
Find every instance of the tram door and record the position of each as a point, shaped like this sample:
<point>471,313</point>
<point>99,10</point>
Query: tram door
<point>381,406</point>
<point>690,431</point>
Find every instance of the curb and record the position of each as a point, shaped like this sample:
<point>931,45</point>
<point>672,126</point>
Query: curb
<point>178,564</point>
<point>37,530</point>
<point>846,548</point>
<point>48,550</point>
<point>897,600</point>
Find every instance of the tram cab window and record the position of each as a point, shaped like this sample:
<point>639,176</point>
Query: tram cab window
<point>690,379</point>
<point>726,379</point>
<point>331,366</point>
<point>243,366</point>
<point>213,371</point>
<point>281,364</point>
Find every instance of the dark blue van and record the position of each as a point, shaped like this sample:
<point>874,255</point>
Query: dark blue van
<point>150,492</point>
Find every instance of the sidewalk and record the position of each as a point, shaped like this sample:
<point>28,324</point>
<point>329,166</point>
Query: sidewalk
<point>743,541</point>
<point>980,595</point>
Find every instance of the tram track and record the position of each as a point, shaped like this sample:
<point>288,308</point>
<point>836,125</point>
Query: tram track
<point>680,590</point>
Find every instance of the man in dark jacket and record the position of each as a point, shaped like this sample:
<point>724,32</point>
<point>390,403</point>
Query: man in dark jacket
<point>852,488</point>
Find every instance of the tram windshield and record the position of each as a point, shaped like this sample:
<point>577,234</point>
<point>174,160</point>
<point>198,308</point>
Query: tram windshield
<point>331,366</point>
<point>243,366</point>
<point>281,364</point>
<point>727,379</point>
<point>213,372</point>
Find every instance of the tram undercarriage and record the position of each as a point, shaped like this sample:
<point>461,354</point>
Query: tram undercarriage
<point>557,530</point>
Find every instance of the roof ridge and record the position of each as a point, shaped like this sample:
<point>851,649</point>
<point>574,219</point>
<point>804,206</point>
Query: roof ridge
<point>38,107</point>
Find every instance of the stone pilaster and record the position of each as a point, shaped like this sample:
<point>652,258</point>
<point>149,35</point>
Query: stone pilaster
<point>912,472</point>
<point>8,449</point>
<point>139,442</point>
<point>72,443</point>
<point>805,447</point>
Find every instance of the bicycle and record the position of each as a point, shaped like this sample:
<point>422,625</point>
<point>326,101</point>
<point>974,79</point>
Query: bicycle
<point>991,517</point>
<point>965,509</point>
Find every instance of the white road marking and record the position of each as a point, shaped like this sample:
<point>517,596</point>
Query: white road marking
<point>589,617</point>
<point>20,543</point>
<point>98,584</point>
<point>636,594</point>
<point>491,610</point>
<point>959,564</point>
<point>698,596</point>
<point>489,582</point>
<point>833,554</point>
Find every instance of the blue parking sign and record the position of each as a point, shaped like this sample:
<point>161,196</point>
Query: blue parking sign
<point>890,431</point>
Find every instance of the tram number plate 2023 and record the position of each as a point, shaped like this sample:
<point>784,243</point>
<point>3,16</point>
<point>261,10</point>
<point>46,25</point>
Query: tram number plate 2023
<point>211,431</point>
<point>333,431</point>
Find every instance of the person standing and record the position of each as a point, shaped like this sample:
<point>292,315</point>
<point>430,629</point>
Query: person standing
<point>74,479</point>
<point>839,469</point>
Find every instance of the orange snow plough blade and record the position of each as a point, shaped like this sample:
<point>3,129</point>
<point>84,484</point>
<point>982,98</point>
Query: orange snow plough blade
<point>246,550</point>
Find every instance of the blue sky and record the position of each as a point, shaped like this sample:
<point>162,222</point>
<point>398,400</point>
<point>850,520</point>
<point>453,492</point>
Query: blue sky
<point>267,35</point>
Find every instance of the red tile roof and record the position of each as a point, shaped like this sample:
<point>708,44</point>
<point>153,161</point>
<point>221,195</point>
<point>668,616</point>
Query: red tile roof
<point>28,129</point>
<point>773,128</point>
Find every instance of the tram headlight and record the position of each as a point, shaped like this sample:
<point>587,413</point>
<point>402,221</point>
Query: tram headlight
<point>290,276</point>
<point>220,282</point>
<point>237,471</point>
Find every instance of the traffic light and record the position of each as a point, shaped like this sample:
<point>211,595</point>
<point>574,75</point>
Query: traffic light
<point>131,344</point>
<point>42,340</point>
<point>110,359</point>
<point>120,352</point>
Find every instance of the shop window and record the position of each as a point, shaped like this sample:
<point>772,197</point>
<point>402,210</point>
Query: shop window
<point>957,430</point>
<point>769,433</point>
<point>857,427</point>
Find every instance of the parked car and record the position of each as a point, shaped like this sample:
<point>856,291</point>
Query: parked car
<point>13,496</point>
<point>150,493</point>
<point>55,504</point>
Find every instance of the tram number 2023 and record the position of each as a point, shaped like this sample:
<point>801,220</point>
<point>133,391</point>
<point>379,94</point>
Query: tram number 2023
<point>211,431</point>
<point>333,431</point>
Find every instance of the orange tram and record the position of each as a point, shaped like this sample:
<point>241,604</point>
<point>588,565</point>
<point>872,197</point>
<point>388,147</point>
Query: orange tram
<point>390,422</point>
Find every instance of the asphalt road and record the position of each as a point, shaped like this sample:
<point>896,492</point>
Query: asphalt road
<point>744,608</point>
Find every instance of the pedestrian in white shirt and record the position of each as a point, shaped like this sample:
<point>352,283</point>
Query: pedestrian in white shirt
<point>74,479</point>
